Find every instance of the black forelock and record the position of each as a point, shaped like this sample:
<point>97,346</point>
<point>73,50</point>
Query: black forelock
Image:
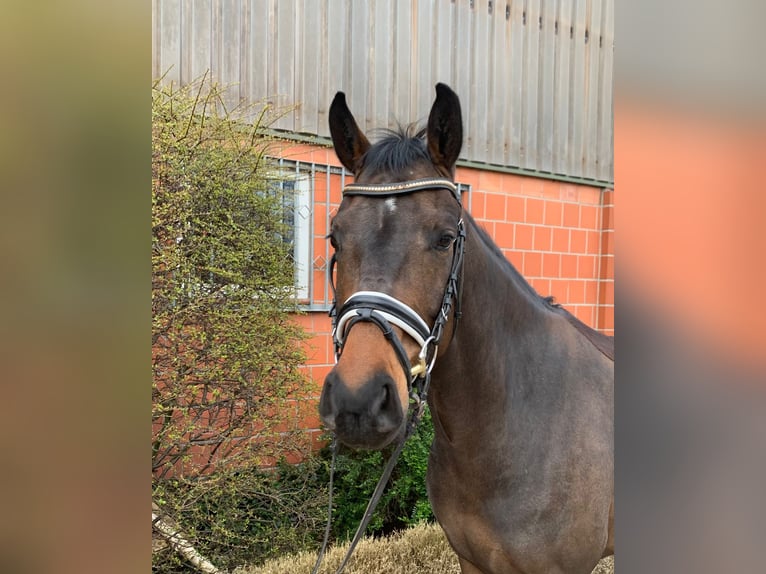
<point>396,150</point>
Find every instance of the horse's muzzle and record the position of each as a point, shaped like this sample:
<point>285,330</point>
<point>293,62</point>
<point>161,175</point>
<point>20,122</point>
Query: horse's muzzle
<point>368,416</point>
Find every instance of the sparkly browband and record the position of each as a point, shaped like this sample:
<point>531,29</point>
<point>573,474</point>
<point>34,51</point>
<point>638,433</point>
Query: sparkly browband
<point>382,189</point>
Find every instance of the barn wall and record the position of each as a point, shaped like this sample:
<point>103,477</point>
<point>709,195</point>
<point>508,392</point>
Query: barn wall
<point>534,76</point>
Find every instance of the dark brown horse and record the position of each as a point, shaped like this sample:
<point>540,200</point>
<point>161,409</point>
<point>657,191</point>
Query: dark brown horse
<point>520,474</point>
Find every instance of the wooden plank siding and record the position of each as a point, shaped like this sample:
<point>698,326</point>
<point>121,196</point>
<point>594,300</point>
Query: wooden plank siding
<point>534,76</point>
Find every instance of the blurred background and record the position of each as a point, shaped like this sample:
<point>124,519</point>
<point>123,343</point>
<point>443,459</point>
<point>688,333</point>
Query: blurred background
<point>690,143</point>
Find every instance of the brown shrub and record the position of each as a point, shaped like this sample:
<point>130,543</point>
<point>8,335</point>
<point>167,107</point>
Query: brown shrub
<point>422,549</point>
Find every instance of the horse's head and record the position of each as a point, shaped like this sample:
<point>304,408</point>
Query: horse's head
<point>394,237</point>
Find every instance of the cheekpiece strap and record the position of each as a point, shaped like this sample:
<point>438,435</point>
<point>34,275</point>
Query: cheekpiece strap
<point>384,189</point>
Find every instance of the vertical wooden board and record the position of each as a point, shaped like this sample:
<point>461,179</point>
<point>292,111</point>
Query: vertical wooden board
<point>605,139</point>
<point>199,38</point>
<point>170,40</point>
<point>462,69</point>
<point>592,56</point>
<point>516,83</point>
<point>228,73</point>
<point>260,33</point>
<point>359,49</point>
<point>403,56</point>
<point>245,64</point>
<point>531,85</point>
<point>185,41</point>
<point>443,51</point>
<point>216,39</point>
<point>296,96</point>
<point>480,95</point>
<point>497,85</point>
<point>561,88</point>
<point>422,89</point>
<point>380,65</point>
<point>337,52</point>
<point>547,79</point>
<point>506,116</point>
<point>577,97</point>
<point>285,61</point>
<point>324,91</point>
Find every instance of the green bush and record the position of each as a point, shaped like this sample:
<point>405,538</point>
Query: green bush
<point>405,500</point>
<point>250,516</point>
<point>246,516</point>
<point>226,351</point>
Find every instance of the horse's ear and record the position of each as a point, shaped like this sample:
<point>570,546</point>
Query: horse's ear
<point>445,128</point>
<point>349,141</point>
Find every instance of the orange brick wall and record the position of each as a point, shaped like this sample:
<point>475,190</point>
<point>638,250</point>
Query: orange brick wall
<point>559,235</point>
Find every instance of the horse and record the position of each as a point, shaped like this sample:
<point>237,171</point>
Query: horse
<point>520,471</point>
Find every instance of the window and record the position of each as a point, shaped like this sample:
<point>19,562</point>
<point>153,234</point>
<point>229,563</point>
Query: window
<point>295,191</point>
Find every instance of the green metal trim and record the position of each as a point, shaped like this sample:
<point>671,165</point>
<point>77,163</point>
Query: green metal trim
<point>327,142</point>
<point>534,173</point>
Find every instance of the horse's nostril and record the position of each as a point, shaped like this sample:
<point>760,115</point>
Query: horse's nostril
<point>387,412</point>
<point>384,398</point>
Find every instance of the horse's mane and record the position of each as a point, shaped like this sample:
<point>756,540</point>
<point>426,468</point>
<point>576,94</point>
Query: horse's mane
<point>602,342</point>
<point>396,150</point>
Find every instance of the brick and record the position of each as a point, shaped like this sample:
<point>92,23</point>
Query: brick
<point>523,238</point>
<point>533,264</point>
<point>607,242</point>
<point>532,187</point>
<point>491,180</point>
<point>569,266</point>
<point>608,218</point>
<point>560,240</point>
<point>535,211</point>
<point>541,285</point>
<point>542,238</point>
<point>594,242</point>
<point>478,199</point>
<point>306,320</point>
<point>577,241</point>
<point>551,263</point>
<point>554,213</point>
<point>560,290</point>
<point>589,195</point>
<point>606,270</point>
<point>606,293</point>
<point>577,292</point>
<point>495,207</point>
<point>552,189</point>
<point>503,234</point>
<point>515,209</point>
<point>589,217</point>
<point>571,215</point>
<point>586,266</point>
<point>568,192</point>
<point>591,291</point>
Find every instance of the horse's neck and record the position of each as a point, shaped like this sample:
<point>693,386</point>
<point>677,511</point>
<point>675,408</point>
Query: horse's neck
<point>498,303</point>
<point>498,307</point>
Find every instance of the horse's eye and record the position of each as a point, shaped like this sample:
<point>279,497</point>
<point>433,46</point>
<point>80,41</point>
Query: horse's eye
<point>445,242</point>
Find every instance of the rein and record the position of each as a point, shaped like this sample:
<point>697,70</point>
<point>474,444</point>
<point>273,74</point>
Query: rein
<point>384,311</point>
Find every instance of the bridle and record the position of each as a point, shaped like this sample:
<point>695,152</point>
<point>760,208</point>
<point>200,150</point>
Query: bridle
<point>386,311</point>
